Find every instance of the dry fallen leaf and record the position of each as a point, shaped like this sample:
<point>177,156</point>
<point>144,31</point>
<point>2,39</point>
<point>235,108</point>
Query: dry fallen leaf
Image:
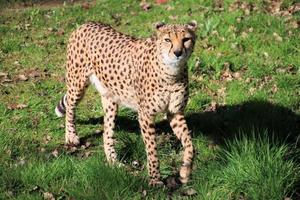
<point>237,76</point>
<point>173,17</point>
<point>227,75</point>
<point>87,144</point>
<point>294,8</point>
<point>8,152</point>
<point>214,32</point>
<point>218,5</point>
<point>86,6</point>
<point>55,153</point>
<point>61,32</point>
<point>274,89</point>
<point>244,34</point>
<point>71,149</point>
<point>47,139</point>
<point>212,107</point>
<point>244,6</point>
<point>221,91</point>
<point>3,74</point>
<point>169,8</point>
<point>34,189</point>
<point>294,24</point>
<point>4,78</point>
<point>247,7</point>
<point>98,131</point>
<point>252,90</point>
<point>277,37</point>
<point>16,106</point>
<point>10,193</point>
<point>48,196</point>
<point>144,193</point>
<point>22,77</point>
<point>87,154</point>
<point>145,5</point>
<point>274,7</point>
<point>21,161</point>
<point>34,73</point>
<point>266,55</point>
<point>42,149</point>
<point>248,80</point>
<point>189,192</point>
<point>213,146</point>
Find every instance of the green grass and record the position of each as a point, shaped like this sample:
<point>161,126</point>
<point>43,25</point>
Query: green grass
<point>250,168</point>
<point>244,109</point>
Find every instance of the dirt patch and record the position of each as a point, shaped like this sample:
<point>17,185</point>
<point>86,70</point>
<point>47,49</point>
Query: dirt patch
<point>41,3</point>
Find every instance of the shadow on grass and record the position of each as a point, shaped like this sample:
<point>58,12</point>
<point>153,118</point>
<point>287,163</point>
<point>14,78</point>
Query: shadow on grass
<point>38,3</point>
<point>253,117</point>
<point>226,122</point>
<point>260,117</point>
<point>122,123</point>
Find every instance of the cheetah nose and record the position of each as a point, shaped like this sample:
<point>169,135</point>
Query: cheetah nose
<point>178,53</point>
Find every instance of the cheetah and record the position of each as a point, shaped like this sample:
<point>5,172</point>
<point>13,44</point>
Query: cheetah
<point>148,75</point>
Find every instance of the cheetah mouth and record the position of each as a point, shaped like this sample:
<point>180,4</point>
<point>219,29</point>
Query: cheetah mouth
<point>179,58</point>
<point>173,60</point>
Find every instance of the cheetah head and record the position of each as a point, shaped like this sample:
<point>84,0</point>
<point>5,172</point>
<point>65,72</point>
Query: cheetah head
<point>175,43</point>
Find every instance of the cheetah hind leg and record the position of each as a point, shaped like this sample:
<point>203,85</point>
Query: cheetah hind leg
<point>60,111</point>
<point>74,96</point>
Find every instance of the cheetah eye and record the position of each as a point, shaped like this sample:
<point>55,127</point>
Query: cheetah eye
<point>167,40</point>
<point>185,39</point>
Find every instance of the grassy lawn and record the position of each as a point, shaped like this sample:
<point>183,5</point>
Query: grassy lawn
<point>244,107</point>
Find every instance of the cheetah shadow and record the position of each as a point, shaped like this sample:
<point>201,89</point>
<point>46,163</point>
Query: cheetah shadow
<point>225,123</point>
<point>122,123</point>
<point>249,119</point>
<point>259,117</point>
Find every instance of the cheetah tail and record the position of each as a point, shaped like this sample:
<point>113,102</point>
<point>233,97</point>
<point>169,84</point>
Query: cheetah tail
<point>60,109</point>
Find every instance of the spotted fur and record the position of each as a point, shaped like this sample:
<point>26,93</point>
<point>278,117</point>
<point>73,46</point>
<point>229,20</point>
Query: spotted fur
<point>148,75</point>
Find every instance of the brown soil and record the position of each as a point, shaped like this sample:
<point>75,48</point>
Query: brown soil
<point>42,3</point>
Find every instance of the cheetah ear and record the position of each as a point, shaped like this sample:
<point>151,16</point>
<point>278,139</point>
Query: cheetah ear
<point>192,25</point>
<point>158,25</point>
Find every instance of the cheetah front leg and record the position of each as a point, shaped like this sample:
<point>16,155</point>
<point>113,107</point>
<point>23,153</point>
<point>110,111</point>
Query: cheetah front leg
<point>110,108</point>
<point>180,129</point>
<point>148,133</point>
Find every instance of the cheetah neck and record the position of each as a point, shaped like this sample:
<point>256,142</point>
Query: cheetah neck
<point>171,73</point>
<point>169,68</point>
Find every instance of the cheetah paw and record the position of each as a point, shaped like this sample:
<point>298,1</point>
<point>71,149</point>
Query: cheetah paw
<point>72,140</point>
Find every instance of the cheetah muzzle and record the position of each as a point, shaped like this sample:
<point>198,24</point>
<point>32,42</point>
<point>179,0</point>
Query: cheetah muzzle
<point>148,75</point>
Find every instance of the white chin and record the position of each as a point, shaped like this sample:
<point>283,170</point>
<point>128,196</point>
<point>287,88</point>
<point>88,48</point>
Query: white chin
<point>173,63</point>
